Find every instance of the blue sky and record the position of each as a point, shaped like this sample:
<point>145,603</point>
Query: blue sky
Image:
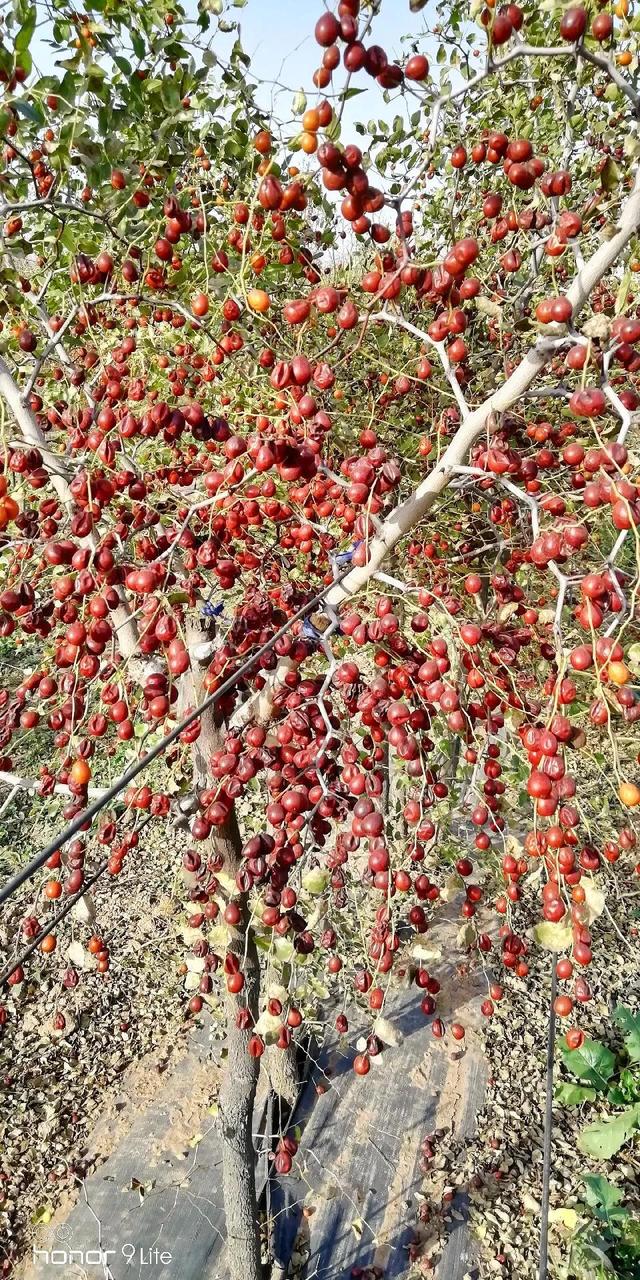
<point>278,34</point>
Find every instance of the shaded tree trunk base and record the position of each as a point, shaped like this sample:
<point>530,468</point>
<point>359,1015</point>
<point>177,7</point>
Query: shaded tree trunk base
<point>357,1170</point>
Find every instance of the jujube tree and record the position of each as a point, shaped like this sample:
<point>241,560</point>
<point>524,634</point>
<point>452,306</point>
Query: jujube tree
<point>244,361</point>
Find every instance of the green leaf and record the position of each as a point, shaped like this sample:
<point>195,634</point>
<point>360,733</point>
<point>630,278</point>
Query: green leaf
<point>571,1095</point>
<point>69,238</point>
<point>170,95</point>
<point>69,87</point>
<point>609,175</point>
<point>333,129</point>
<point>600,1191</point>
<point>602,1196</point>
<point>604,1138</point>
<point>629,1024</point>
<point>628,1246</point>
<point>23,38</point>
<point>593,1062</point>
<point>616,1097</point>
<point>27,109</point>
<point>139,47</point>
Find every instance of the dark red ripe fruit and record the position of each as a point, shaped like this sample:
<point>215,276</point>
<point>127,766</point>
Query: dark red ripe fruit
<point>327,30</point>
<point>573,23</point>
<point>602,26</point>
<point>502,29</point>
<point>27,340</point>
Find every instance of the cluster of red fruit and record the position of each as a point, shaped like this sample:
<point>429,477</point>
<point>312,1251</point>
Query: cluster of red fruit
<point>323,757</point>
<point>330,29</point>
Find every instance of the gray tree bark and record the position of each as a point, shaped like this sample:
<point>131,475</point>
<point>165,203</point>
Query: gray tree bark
<point>281,1068</point>
<point>237,1095</point>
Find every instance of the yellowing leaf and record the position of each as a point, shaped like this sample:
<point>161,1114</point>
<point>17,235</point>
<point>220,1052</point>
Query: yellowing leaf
<point>316,880</point>
<point>487,306</point>
<point>226,882</point>
<point>268,1024</point>
<point>426,954</point>
<point>546,617</point>
<point>466,935</point>
<point>450,888</point>
<point>530,1204</point>
<point>553,937</point>
<point>566,1217</point>
<point>633,659</point>
<point>42,1216</point>
<point>191,935</point>
<point>507,611</point>
<point>513,846</point>
<point>387,1031</point>
<point>278,992</point>
<point>283,948</point>
<point>84,909</point>
<point>79,957</point>
<point>594,899</point>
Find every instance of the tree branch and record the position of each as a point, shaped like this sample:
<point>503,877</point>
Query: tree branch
<point>33,435</point>
<point>409,513</point>
<point>412,510</point>
<point>31,784</point>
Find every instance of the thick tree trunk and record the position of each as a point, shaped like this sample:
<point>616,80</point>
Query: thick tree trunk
<point>237,1095</point>
<point>236,1100</point>
<point>281,1068</point>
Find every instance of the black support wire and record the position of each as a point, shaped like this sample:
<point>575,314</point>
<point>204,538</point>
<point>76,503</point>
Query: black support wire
<point>25,873</point>
<point>28,951</point>
<point>87,884</point>
<point>548,1124</point>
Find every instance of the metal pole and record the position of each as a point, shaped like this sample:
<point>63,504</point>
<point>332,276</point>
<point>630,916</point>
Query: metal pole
<point>548,1122</point>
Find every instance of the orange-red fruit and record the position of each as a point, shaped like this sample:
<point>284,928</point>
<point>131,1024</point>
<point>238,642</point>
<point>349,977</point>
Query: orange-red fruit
<point>200,304</point>
<point>361,1064</point>
<point>417,67</point>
